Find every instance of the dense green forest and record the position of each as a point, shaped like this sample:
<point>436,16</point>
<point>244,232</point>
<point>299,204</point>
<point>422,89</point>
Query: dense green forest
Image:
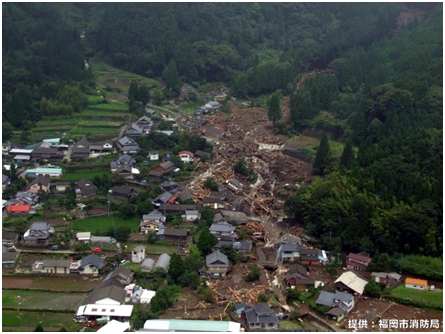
<point>378,86</point>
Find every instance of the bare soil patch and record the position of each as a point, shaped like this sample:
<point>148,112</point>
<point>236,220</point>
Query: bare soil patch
<point>50,283</point>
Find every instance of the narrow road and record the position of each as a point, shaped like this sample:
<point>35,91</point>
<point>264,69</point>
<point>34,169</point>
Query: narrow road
<point>175,114</point>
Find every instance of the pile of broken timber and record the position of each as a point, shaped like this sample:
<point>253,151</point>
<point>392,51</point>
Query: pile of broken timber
<point>257,230</point>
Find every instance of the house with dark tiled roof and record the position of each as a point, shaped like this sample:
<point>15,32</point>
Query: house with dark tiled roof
<point>123,160</point>
<point>152,222</point>
<point>127,145</point>
<point>357,261</point>
<point>85,189</point>
<point>39,234</point>
<point>341,300</point>
<point>217,265</point>
<point>40,183</point>
<point>122,275</point>
<point>91,265</point>
<point>81,149</point>
<point>134,130</point>
<point>298,277</point>
<point>52,267</point>
<point>223,231</point>
<point>103,147</point>
<point>122,192</point>
<point>313,257</point>
<point>172,234</point>
<point>260,316</point>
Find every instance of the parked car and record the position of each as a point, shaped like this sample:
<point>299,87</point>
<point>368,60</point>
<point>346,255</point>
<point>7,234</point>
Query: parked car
<point>432,288</point>
<point>282,316</point>
<point>95,250</point>
<point>54,247</point>
<point>123,262</point>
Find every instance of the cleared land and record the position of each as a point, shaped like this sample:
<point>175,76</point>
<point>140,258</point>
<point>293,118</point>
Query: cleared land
<point>20,319</point>
<point>429,298</point>
<point>103,224</point>
<point>49,283</point>
<point>27,299</point>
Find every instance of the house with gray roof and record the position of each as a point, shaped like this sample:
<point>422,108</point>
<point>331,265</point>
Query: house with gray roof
<point>103,147</point>
<point>217,265</point>
<point>185,195</point>
<point>223,231</point>
<point>288,252</point>
<point>40,183</point>
<point>260,316</point>
<point>134,130</point>
<point>91,265</point>
<point>122,192</point>
<point>163,198</point>
<point>81,149</point>
<point>127,145</point>
<point>39,234</point>
<point>297,277</point>
<point>172,234</point>
<point>109,295</point>
<point>337,300</point>
<point>123,160</point>
<point>152,221</point>
<point>85,189</point>
<point>122,275</point>
<point>53,266</point>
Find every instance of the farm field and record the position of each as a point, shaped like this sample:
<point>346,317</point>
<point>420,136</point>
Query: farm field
<point>28,299</point>
<point>49,283</point>
<point>430,298</point>
<point>103,224</point>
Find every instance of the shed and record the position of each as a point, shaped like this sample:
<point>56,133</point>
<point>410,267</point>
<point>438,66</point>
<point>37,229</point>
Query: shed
<point>138,254</point>
<point>163,262</point>
<point>83,236</point>
<point>146,296</point>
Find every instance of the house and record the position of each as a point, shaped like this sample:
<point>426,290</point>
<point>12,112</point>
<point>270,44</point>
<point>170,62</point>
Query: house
<point>171,186</point>
<point>55,172</point>
<point>163,262</point>
<point>103,147</point>
<point>85,189</point>
<point>40,183</point>
<point>46,152</point>
<point>176,208</point>
<point>166,168</point>
<point>414,283</point>
<point>145,123</point>
<point>155,175</point>
<point>52,267</point>
<point>163,198</point>
<point>17,209</point>
<point>213,202</point>
<point>223,231</point>
<point>147,265</point>
<point>152,222</point>
<point>91,265</point>
<point>180,325</point>
<point>5,181</point>
<point>234,185</point>
<point>122,193</point>
<point>217,265</point>
<point>127,145</point>
<point>357,261</point>
<point>38,234</point>
<point>81,149</point>
<point>260,316</point>
<point>138,254</point>
<point>340,302</point>
<point>242,247</point>
<point>60,186</point>
<point>128,172</point>
<point>123,160</point>
<point>9,239</point>
<point>287,252</point>
<point>190,215</point>
<point>123,275</point>
<point>313,257</point>
<point>134,130</point>
<point>186,156</point>
<point>386,278</point>
<point>351,282</point>
<point>107,296</point>
<point>172,234</point>
<point>194,122</point>
<point>297,277</point>
<point>185,195</point>
<point>153,155</point>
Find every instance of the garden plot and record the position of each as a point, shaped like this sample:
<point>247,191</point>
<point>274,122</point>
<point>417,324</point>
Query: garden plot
<point>27,299</point>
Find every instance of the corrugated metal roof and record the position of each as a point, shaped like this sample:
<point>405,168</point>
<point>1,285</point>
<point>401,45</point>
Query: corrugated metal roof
<point>192,325</point>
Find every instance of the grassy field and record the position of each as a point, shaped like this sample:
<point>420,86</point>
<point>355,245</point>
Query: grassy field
<point>432,298</point>
<point>287,324</point>
<point>82,175</point>
<point>41,300</point>
<point>103,224</point>
<point>32,319</point>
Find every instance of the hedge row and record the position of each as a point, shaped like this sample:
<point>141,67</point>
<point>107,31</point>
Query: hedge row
<point>36,310</point>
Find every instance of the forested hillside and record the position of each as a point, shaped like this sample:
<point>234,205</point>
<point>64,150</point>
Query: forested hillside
<point>387,99</point>
<point>360,72</point>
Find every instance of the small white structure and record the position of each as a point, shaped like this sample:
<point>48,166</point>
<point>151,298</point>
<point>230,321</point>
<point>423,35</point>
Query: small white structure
<point>153,155</point>
<point>414,283</point>
<point>83,236</point>
<point>186,156</point>
<point>138,254</point>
